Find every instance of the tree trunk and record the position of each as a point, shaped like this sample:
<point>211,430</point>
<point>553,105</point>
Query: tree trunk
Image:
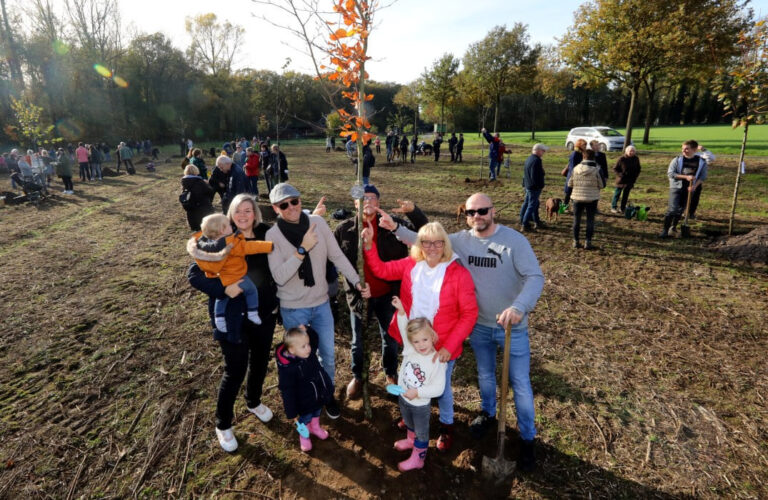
<point>633,97</point>
<point>738,179</point>
<point>367,342</point>
<point>649,105</point>
<point>496,114</point>
<point>533,117</point>
<point>13,56</point>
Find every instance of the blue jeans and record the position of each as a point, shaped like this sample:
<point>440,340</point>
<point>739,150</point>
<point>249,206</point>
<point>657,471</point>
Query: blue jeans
<point>493,165</point>
<point>529,212</point>
<point>96,171</point>
<point>445,402</point>
<point>250,293</point>
<point>320,319</point>
<point>485,341</point>
<point>307,417</point>
<point>251,184</point>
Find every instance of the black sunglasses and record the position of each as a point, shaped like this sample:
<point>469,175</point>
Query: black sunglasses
<point>284,205</point>
<point>480,211</point>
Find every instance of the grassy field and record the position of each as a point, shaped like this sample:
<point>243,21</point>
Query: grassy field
<point>648,356</point>
<point>721,139</point>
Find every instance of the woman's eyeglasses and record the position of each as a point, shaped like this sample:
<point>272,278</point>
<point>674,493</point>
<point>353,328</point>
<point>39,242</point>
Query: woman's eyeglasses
<point>432,244</point>
<point>480,211</point>
<point>284,205</point>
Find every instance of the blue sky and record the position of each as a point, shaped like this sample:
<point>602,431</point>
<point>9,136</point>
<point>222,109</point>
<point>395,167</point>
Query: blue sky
<point>409,34</point>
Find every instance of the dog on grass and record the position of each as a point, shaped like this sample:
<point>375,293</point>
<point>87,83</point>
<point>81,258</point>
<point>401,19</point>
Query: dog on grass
<point>553,208</point>
<point>460,210</point>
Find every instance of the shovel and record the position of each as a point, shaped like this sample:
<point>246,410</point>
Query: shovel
<point>685,229</point>
<point>395,389</point>
<point>302,430</point>
<point>499,467</point>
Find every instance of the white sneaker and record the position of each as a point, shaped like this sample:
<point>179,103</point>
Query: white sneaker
<point>262,412</point>
<point>227,439</point>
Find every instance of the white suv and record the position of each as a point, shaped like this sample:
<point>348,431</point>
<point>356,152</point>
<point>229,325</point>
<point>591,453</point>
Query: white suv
<point>609,139</point>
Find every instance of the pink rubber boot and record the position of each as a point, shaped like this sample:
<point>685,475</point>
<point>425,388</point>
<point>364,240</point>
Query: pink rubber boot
<point>305,443</point>
<point>407,443</point>
<point>316,430</point>
<point>415,461</point>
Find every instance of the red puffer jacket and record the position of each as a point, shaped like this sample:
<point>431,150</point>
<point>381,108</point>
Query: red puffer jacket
<point>457,313</point>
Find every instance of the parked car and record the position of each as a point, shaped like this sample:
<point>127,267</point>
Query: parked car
<point>609,139</point>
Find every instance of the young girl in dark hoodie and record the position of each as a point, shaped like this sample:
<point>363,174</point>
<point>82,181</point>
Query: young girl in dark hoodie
<point>304,385</point>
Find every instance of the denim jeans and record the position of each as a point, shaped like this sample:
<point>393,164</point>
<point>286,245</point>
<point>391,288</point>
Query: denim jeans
<point>579,207</point>
<point>485,341</point>
<point>96,171</point>
<point>320,319</point>
<point>529,212</point>
<point>493,165</point>
<point>416,419</point>
<point>307,417</point>
<point>250,292</point>
<point>445,402</point>
<point>383,310</point>
<point>252,184</point>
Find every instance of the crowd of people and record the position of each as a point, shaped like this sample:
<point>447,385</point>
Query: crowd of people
<point>428,291</point>
<point>421,288</point>
<point>41,165</point>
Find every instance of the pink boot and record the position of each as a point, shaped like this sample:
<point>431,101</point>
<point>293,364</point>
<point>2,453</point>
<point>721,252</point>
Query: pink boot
<point>415,461</point>
<point>305,443</point>
<point>407,443</point>
<point>316,430</point>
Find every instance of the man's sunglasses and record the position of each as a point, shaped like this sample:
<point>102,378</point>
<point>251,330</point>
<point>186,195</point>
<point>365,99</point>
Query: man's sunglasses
<point>480,211</point>
<point>284,205</point>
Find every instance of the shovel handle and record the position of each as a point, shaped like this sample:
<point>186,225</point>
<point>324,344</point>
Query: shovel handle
<point>504,389</point>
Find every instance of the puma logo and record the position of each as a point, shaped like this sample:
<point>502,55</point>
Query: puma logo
<point>497,254</point>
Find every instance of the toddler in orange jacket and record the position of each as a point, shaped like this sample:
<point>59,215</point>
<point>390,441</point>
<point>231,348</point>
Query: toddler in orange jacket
<point>221,254</point>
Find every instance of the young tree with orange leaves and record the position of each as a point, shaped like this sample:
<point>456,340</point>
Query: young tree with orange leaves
<point>346,46</point>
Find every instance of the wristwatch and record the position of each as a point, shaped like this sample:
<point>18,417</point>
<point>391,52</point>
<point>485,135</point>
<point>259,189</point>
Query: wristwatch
<point>302,251</point>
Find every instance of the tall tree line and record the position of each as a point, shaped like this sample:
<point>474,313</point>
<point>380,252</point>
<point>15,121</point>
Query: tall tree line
<point>95,82</point>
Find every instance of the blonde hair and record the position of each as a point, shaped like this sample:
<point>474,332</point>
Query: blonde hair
<point>419,325</point>
<point>292,335</point>
<point>435,230</point>
<point>245,198</point>
<point>581,145</point>
<point>191,170</point>
<point>213,225</point>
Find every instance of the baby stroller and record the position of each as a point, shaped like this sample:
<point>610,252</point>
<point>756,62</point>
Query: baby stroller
<point>34,187</point>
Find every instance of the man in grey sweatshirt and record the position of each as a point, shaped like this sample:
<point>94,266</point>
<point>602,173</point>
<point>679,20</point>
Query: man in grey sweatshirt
<point>302,246</point>
<point>508,283</point>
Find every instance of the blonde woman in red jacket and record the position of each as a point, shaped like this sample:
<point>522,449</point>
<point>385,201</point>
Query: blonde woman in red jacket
<point>435,286</point>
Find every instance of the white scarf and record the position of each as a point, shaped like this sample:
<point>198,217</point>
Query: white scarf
<point>426,285</point>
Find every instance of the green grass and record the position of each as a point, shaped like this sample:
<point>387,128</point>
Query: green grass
<point>721,139</point>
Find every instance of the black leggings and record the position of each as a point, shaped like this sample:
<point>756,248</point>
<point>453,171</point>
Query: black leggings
<point>68,183</point>
<point>251,356</point>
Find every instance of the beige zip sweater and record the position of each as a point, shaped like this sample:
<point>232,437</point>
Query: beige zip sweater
<point>284,265</point>
<point>586,181</point>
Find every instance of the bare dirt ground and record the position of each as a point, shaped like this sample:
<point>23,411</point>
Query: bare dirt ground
<point>648,356</point>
